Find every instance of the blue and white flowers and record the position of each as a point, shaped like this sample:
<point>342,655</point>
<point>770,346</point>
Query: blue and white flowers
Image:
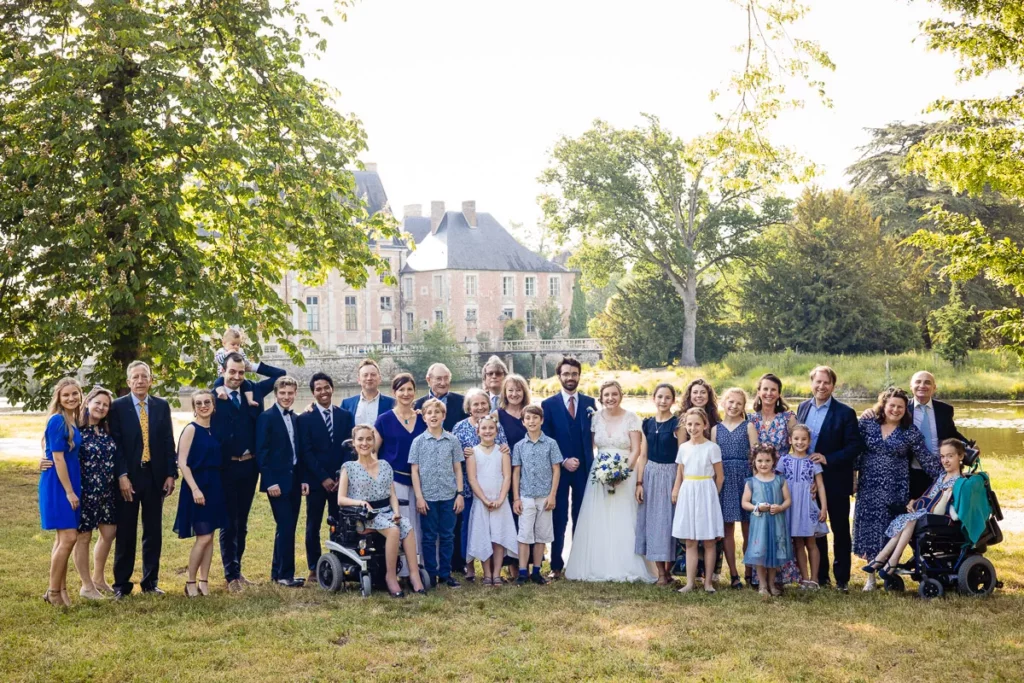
<point>610,469</point>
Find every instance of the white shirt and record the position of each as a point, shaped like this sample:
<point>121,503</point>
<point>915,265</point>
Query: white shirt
<point>291,432</point>
<point>366,411</point>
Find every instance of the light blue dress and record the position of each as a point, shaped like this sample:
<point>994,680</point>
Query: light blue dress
<point>769,544</point>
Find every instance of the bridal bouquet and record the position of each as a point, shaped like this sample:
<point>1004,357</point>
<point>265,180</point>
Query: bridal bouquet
<point>610,469</point>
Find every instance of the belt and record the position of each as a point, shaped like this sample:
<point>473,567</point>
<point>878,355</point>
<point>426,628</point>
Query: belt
<point>693,478</point>
<point>378,504</point>
<point>243,458</point>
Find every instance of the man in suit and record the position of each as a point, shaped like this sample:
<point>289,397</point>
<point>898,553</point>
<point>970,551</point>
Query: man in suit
<point>835,445</point>
<point>277,452</point>
<point>323,432</point>
<point>369,403</point>
<point>493,376</point>
<point>567,421</point>
<point>146,464</point>
<point>934,419</point>
<point>234,425</point>
<point>439,381</point>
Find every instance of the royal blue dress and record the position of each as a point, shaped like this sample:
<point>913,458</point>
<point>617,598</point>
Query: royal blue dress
<point>205,461</point>
<point>395,441</point>
<point>54,508</point>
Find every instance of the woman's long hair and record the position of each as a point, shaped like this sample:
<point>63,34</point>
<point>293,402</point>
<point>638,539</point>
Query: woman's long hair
<point>780,404</point>
<point>711,408</point>
<point>70,417</point>
<point>883,398</point>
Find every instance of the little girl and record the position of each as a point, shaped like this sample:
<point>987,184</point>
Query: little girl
<point>734,436</point>
<point>655,477</point>
<point>766,497</point>
<point>232,342</point>
<point>935,501</point>
<point>807,517</point>
<point>698,512</point>
<point>492,532</point>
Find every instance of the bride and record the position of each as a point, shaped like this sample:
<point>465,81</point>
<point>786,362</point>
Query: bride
<point>603,544</point>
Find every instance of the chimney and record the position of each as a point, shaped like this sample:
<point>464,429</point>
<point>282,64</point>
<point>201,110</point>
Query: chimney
<point>436,215</point>
<point>412,210</point>
<point>469,211</point>
<point>370,166</point>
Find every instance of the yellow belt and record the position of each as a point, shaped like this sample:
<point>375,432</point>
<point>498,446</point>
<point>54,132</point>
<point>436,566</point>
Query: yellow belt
<point>693,478</point>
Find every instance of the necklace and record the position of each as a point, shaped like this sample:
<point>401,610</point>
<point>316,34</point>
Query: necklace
<point>657,425</point>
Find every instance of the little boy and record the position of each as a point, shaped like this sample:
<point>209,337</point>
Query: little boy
<point>232,342</point>
<point>536,465</point>
<point>436,458</point>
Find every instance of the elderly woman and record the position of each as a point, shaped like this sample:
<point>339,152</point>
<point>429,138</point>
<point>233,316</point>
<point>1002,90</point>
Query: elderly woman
<point>370,482</point>
<point>882,485</point>
<point>477,404</point>
<point>396,429</point>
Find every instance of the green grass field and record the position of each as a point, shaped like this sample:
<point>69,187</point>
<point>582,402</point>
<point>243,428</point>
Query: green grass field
<point>560,632</point>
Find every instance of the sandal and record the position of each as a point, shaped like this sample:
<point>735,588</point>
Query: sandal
<point>46,598</point>
<point>201,591</point>
<point>887,571</point>
<point>873,566</point>
<point>736,583</point>
<point>190,595</point>
<point>487,581</point>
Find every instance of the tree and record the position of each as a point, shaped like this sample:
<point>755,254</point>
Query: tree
<point>952,329</point>
<point>550,320</point>
<point>162,166</point>
<point>828,283</point>
<point>514,330</point>
<point>578,312</point>
<point>979,151</point>
<point>642,321</point>
<point>437,344</point>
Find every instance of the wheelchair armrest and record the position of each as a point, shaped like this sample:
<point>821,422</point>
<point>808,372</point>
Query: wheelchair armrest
<point>402,502</point>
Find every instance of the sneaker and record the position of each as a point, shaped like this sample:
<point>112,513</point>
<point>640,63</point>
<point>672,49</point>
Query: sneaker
<point>538,579</point>
<point>522,580</point>
<point>452,583</point>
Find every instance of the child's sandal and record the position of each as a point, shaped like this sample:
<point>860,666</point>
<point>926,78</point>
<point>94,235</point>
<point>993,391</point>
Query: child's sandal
<point>736,583</point>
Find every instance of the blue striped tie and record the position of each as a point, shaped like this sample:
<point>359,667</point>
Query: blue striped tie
<point>330,424</point>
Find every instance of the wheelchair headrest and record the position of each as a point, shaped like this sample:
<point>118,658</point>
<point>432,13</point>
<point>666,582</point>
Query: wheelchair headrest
<point>971,455</point>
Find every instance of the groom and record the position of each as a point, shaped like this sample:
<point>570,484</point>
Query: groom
<point>567,421</point>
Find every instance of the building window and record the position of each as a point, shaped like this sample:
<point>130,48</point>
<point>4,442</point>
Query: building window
<point>531,285</point>
<point>407,288</point>
<point>471,285</point>
<point>554,286</point>
<point>351,314</point>
<point>509,312</point>
<point>531,321</point>
<point>439,286</point>
<point>385,303</point>
<point>439,316</point>
<point>385,336</point>
<point>271,348</point>
<point>470,315</point>
<point>508,285</point>
<point>313,313</point>
<point>384,275</point>
<point>410,321</point>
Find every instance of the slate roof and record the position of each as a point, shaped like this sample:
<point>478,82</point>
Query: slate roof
<point>371,190</point>
<point>457,246</point>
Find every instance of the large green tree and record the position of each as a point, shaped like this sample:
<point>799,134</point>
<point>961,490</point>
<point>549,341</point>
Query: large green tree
<point>578,312</point>
<point>163,164</point>
<point>830,282</point>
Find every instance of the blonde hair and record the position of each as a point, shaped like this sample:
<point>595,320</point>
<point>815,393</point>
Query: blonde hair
<point>233,333</point>
<point>490,417</point>
<point>800,428</point>
<point>523,384</point>
<point>285,381</point>
<point>363,428</point>
<point>700,412</point>
<point>202,392</point>
<point>55,408</point>
<point>733,390</point>
<point>435,403</point>
<point>83,411</point>
<point>604,385</point>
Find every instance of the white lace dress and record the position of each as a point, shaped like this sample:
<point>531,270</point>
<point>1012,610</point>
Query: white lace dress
<point>603,547</point>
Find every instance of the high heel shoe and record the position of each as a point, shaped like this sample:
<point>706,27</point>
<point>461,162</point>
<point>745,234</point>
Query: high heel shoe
<point>187,594</point>
<point>201,591</point>
<point>873,566</point>
<point>887,571</point>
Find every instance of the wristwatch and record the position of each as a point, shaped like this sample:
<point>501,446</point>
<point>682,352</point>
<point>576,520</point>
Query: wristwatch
<point>463,494</point>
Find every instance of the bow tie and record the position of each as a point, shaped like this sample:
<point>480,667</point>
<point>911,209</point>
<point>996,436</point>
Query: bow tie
<point>289,412</point>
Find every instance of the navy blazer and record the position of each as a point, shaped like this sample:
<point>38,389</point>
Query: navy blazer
<point>127,433</point>
<point>321,456</point>
<point>557,425</point>
<point>454,414</point>
<point>235,428</point>
<point>352,403</point>
<point>944,424</point>
<point>838,440</point>
<point>274,454</point>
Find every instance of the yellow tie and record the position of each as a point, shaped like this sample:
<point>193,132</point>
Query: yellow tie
<point>144,424</point>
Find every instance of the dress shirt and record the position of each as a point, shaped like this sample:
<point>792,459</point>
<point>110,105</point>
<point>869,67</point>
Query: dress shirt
<point>287,415</point>
<point>815,419</point>
<point>366,411</point>
<point>137,402</point>
<point>932,440</point>
<point>565,400</point>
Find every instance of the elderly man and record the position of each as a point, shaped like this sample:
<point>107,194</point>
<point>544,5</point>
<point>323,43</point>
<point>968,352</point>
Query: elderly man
<point>146,465</point>
<point>835,445</point>
<point>439,381</point>
<point>494,374</point>
<point>369,403</point>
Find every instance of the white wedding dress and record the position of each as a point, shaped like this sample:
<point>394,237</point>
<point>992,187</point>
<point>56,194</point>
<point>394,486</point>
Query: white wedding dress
<point>604,542</point>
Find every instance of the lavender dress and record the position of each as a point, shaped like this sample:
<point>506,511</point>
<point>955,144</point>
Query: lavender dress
<point>799,473</point>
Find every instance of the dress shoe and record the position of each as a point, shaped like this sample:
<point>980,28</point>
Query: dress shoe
<point>842,588</point>
<point>311,578</point>
<point>120,595</point>
<point>538,579</point>
<point>153,591</point>
<point>235,586</point>
<point>555,574</point>
<point>291,583</point>
<point>452,583</point>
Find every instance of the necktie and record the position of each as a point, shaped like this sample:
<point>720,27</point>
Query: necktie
<point>330,424</point>
<point>144,425</point>
<point>926,427</point>
<point>572,406</point>
<point>234,399</point>
<point>494,402</point>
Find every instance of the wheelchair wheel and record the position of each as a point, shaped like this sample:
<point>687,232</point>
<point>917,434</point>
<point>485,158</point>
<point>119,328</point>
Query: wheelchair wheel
<point>329,572</point>
<point>365,585</point>
<point>930,588</point>
<point>977,576</point>
<point>894,584</point>
<point>425,578</point>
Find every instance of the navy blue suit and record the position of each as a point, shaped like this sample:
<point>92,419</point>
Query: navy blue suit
<point>235,428</point>
<point>839,441</point>
<point>454,414</point>
<point>575,440</point>
<point>322,457</point>
<point>279,464</point>
<point>385,404</point>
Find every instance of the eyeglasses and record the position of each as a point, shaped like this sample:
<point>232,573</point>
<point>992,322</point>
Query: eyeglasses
<point>494,373</point>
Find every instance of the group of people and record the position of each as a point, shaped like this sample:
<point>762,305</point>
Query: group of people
<point>490,476</point>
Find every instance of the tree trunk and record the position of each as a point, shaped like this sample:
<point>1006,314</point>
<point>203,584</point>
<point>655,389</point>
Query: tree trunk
<point>689,350</point>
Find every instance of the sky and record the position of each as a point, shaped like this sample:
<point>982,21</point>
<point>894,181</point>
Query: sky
<point>464,99</point>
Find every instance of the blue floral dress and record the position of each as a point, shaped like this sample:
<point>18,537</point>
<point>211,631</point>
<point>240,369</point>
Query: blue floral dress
<point>929,503</point>
<point>99,484</point>
<point>735,447</point>
<point>775,432</point>
<point>883,483</point>
<point>803,513</point>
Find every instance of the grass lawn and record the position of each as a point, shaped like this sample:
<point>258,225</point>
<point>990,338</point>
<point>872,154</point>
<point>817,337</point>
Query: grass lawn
<point>560,632</point>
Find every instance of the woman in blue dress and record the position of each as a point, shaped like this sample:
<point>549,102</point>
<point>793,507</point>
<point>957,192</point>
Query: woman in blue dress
<point>60,486</point>
<point>882,483</point>
<point>201,505</point>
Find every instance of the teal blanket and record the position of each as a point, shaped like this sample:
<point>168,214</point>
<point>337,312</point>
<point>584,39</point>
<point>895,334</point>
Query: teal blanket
<point>970,500</point>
